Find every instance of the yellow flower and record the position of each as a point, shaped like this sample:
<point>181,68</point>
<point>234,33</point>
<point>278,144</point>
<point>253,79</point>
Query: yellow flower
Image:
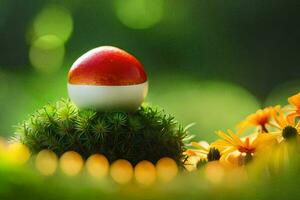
<point>239,151</point>
<point>294,101</point>
<point>260,118</point>
<point>203,152</point>
<point>286,126</point>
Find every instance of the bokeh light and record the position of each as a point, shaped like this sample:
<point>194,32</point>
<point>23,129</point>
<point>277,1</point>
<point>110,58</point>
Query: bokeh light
<point>212,105</point>
<point>53,20</point>
<point>236,177</point>
<point>46,162</point>
<point>145,173</point>
<point>139,14</point>
<point>214,172</point>
<point>121,171</point>
<point>17,153</point>
<point>166,169</point>
<point>71,163</point>
<point>280,94</point>
<point>97,166</point>
<point>47,54</point>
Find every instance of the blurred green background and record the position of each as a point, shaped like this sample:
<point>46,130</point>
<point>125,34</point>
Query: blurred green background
<point>208,61</point>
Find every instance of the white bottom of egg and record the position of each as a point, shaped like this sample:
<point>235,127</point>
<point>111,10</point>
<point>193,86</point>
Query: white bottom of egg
<point>102,98</point>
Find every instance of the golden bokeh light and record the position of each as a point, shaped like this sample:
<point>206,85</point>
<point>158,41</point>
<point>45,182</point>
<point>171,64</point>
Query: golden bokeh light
<point>121,171</point>
<point>53,20</point>
<point>17,153</point>
<point>214,172</point>
<point>97,166</point>
<point>46,162</point>
<point>139,14</point>
<point>71,163</point>
<point>46,54</point>
<point>236,177</point>
<point>166,169</point>
<point>145,173</point>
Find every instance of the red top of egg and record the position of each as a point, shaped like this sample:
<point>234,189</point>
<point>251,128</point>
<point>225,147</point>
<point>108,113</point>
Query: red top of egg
<point>107,65</point>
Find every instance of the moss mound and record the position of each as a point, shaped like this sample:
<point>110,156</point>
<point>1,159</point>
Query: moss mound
<point>147,134</point>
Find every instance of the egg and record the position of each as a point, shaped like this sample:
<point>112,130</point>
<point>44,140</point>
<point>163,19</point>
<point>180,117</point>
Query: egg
<point>107,78</point>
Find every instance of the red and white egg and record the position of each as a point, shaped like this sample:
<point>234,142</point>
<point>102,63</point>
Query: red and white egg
<point>107,78</point>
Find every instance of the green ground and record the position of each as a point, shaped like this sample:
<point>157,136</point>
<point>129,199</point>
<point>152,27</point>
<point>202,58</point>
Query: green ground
<point>24,183</point>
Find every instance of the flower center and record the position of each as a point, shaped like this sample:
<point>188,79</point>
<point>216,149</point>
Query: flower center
<point>213,154</point>
<point>289,132</point>
<point>248,158</point>
<point>264,128</point>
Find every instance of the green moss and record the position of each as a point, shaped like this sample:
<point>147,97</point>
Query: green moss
<point>147,134</point>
